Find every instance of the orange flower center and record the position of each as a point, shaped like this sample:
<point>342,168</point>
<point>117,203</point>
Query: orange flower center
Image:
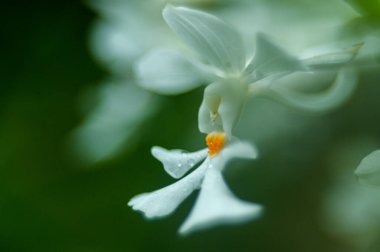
<point>215,142</point>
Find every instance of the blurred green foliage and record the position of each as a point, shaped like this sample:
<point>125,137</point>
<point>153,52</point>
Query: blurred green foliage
<point>50,203</point>
<point>367,7</point>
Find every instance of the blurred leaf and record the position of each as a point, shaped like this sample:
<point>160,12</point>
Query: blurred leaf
<point>367,7</point>
<point>368,170</point>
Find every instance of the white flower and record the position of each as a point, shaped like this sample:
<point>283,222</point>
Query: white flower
<point>216,204</point>
<point>233,77</point>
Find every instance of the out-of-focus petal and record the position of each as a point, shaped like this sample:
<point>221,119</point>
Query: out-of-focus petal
<point>168,72</point>
<point>216,42</point>
<point>108,45</point>
<point>164,201</point>
<point>121,108</point>
<point>221,106</point>
<point>216,205</point>
<point>335,59</point>
<point>368,171</point>
<point>335,95</point>
<point>126,31</point>
<point>178,162</point>
<point>270,59</point>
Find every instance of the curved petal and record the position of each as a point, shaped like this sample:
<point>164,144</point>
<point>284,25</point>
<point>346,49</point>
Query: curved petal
<point>270,59</point>
<point>368,170</point>
<point>339,92</point>
<point>335,59</point>
<point>177,162</point>
<point>235,149</point>
<point>221,106</point>
<point>168,72</point>
<point>217,205</point>
<point>216,42</point>
<point>209,119</point>
<point>164,201</point>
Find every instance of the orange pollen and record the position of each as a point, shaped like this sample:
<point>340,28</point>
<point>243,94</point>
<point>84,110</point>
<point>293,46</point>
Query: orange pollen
<point>215,142</point>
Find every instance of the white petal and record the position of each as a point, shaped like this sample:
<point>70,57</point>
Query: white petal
<point>368,170</point>
<point>235,149</point>
<point>168,72</point>
<point>336,59</point>
<point>270,59</point>
<point>178,162</point>
<point>216,42</point>
<point>339,92</point>
<point>209,119</point>
<point>217,205</point>
<point>164,201</point>
<point>221,106</point>
<point>126,31</point>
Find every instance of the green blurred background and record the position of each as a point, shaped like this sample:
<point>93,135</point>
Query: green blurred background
<point>50,202</point>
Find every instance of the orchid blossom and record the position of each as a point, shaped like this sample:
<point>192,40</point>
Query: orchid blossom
<point>234,77</point>
<point>216,204</point>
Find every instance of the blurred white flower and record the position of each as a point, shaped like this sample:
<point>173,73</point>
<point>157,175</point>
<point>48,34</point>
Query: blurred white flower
<point>125,31</point>
<point>224,63</point>
<point>112,122</point>
<point>299,25</point>
<point>216,204</point>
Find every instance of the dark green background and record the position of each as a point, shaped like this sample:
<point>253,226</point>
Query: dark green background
<point>50,203</point>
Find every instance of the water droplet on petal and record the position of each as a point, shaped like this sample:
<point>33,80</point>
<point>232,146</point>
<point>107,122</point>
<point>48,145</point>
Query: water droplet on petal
<point>191,162</point>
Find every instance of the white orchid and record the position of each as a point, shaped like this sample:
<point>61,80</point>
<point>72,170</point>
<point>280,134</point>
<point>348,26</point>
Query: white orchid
<point>233,77</point>
<point>215,204</point>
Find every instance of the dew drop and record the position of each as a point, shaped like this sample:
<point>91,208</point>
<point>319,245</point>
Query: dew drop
<point>191,162</point>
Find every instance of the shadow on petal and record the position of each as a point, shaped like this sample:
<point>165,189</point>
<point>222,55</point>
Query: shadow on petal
<point>164,201</point>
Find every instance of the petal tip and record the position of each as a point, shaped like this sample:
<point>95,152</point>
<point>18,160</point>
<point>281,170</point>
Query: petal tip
<point>167,9</point>
<point>252,212</point>
<point>156,151</point>
<point>254,152</point>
